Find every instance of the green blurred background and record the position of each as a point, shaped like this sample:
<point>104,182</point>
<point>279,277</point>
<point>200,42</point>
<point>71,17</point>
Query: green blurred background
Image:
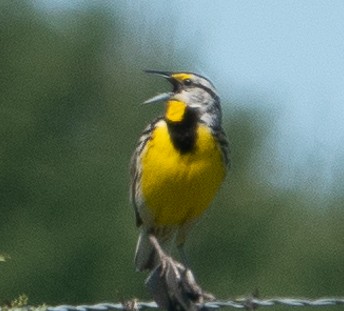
<point>71,84</point>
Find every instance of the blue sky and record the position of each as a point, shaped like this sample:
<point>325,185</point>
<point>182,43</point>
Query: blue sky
<point>288,56</point>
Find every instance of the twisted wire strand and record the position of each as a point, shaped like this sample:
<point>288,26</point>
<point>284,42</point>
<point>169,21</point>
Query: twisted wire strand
<point>242,303</point>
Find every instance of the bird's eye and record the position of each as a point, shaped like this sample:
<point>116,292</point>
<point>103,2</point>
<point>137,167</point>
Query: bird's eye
<point>187,82</point>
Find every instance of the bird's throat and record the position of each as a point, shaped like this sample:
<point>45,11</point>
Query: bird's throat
<point>175,111</point>
<point>182,125</point>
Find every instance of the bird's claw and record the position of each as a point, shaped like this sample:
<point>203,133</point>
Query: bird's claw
<point>173,286</point>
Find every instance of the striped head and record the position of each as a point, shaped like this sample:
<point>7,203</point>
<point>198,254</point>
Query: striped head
<point>191,92</point>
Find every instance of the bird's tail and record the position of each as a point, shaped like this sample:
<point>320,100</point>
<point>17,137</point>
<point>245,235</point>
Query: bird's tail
<point>146,256</point>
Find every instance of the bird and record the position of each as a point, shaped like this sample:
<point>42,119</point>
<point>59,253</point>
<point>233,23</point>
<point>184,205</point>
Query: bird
<point>180,161</point>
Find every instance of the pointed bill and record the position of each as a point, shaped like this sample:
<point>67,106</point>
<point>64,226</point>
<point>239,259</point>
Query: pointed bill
<point>163,96</point>
<point>158,98</point>
<point>165,74</point>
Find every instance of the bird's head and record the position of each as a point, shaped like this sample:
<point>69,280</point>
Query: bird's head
<point>192,92</point>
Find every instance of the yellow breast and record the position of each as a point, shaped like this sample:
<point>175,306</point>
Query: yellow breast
<point>178,187</point>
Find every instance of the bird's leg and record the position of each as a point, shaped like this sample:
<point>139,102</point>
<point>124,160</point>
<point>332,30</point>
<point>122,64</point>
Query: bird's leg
<point>172,284</point>
<point>180,241</point>
<point>183,256</point>
<point>156,245</point>
<point>165,261</point>
<point>189,280</point>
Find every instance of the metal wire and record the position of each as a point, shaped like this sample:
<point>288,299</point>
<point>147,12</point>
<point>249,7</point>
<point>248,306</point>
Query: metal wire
<point>242,303</point>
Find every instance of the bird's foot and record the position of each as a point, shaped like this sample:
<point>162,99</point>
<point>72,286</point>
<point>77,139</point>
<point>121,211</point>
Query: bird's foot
<point>173,286</point>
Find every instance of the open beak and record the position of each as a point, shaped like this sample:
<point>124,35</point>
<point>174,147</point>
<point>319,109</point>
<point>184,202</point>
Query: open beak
<point>163,96</point>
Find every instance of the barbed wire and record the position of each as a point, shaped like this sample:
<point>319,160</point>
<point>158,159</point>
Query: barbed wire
<point>241,303</point>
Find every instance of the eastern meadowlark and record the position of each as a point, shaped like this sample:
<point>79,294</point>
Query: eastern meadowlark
<point>179,164</point>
